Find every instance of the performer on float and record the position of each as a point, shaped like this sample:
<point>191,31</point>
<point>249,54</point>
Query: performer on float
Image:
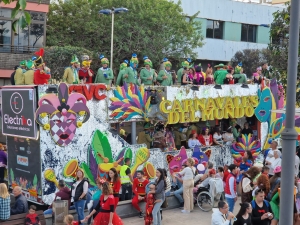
<point>115,184</point>
<point>85,73</point>
<point>71,73</point>
<point>164,76</point>
<point>147,74</point>
<point>107,214</point>
<point>130,74</point>
<point>123,67</point>
<point>29,74</point>
<point>42,73</point>
<point>139,190</point>
<point>105,74</point>
<point>19,75</point>
<point>183,65</point>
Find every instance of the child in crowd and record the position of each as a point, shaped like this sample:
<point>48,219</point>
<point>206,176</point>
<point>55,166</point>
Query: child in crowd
<point>69,220</point>
<point>265,171</point>
<point>244,166</point>
<point>150,203</point>
<point>32,218</point>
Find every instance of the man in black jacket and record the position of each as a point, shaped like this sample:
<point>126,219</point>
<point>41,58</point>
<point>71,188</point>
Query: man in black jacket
<point>21,205</point>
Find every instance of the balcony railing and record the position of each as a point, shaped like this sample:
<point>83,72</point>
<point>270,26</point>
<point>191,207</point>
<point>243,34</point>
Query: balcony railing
<point>17,49</point>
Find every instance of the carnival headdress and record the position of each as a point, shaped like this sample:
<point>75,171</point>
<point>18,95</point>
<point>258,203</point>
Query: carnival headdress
<point>134,60</point>
<point>39,61</point>
<point>167,63</point>
<point>74,59</point>
<point>103,60</point>
<point>86,62</point>
<point>147,61</point>
<point>29,64</point>
<point>124,64</point>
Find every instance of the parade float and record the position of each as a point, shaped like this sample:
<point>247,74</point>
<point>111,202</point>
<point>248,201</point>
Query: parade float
<point>54,130</point>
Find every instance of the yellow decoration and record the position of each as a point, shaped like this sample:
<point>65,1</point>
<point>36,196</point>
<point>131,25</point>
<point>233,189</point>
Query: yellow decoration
<point>71,168</point>
<point>79,124</point>
<point>210,109</point>
<point>141,156</point>
<point>50,176</point>
<point>46,126</point>
<point>63,100</point>
<point>43,115</point>
<point>81,113</point>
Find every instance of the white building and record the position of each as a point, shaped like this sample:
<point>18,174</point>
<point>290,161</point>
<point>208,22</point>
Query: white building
<point>229,26</point>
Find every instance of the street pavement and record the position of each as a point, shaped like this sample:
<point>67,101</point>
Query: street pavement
<point>175,217</point>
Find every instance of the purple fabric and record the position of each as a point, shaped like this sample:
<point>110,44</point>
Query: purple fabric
<point>3,157</point>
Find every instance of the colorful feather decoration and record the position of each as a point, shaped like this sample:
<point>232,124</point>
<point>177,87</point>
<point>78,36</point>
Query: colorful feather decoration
<point>247,142</point>
<point>40,52</point>
<point>130,101</point>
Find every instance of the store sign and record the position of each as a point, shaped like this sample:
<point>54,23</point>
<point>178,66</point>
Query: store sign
<point>18,110</point>
<point>210,108</point>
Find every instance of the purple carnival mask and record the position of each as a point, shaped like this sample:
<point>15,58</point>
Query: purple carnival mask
<point>64,112</point>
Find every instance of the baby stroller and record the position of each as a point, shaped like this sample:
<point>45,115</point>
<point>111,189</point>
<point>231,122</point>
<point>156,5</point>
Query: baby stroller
<point>206,197</point>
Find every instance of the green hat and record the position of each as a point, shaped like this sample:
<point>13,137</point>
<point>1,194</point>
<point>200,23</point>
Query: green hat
<point>233,121</point>
<point>74,59</point>
<point>167,64</point>
<point>103,60</point>
<point>29,64</point>
<point>147,126</point>
<point>185,64</point>
<point>23,63</point>
<point>220,65</point>
<point>237,69</point>
<point>148,62</point>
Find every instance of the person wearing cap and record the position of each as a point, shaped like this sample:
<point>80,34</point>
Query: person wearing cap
<point>105,74</point>
<point>184,64</point>
<point>19,74</point>
<point>238,77</point>
<point>164,76</point>
<point>29,74</point>
<point>220,74</point>
<point>144,137</point>
<point>42,73</point>
<point>85,73</point>
<point>71,73</point>
<point>123,67</point>
<point>147,74</point>
<point>130,74</point>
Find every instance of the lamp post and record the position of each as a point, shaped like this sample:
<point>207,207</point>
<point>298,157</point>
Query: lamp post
<point>112,12</point>
<point>289,134</point>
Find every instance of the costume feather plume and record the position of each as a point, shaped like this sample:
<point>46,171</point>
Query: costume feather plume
<point>40,52</point>
<point>130,101</point>
<point>247,142</point>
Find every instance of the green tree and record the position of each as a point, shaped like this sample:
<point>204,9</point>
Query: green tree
<point>251,59</point>
<point>279,45</point>
<point>156,28</point>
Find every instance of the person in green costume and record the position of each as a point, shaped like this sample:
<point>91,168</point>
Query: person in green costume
<point>105,74</point>
<point>164,76</point>
<point>130,74</point>
<point>179,72</point>
<point>147,74</point>
<point>123,67</point>
<point>220,74</point>
<point>19,75</point>
<point>238,77</point>
<point>29,74</point>
<point>71,73</point>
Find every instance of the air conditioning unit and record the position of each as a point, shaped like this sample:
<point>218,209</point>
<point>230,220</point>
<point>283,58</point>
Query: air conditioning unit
<point>60,209</point>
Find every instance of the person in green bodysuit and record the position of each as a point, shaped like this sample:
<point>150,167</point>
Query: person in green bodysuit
<point>179,72</point>
<point>147,74</point>
<point>238,77</point>
<point>130,74</point>
<point>123,67</point>
<point>104,74</point>
<point>164,76</point>
<point>220,74</point>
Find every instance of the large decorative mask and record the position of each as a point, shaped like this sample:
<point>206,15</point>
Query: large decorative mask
<point>62,114</point>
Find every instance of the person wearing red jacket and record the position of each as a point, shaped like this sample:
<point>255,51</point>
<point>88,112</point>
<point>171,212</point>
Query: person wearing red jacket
<point>230,187</point>
<point>139,190</point>
<point>205,138</point>
<point>115,184</point>
<point>85,73</point>
<point>42,73</point>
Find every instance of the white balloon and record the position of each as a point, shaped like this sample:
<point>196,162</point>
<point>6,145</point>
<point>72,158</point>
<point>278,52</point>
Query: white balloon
<point>201,167</point>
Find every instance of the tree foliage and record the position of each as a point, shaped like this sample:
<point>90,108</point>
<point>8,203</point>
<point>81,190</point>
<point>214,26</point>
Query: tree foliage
<point>57,58</point>
<point>251,59</point>
<point>156,28</point>
<point>279,35</point>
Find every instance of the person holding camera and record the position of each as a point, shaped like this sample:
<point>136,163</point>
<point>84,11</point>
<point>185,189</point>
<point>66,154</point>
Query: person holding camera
<point>261,210</point>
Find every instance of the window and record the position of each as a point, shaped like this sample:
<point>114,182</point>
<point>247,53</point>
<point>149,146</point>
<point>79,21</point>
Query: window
<point>248,33</point>
<point>5,30</point>
<point>214,29</point>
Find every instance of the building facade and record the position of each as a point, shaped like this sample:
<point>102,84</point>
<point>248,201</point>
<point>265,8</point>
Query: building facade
<point>229,26</point>
<point>21,44</point>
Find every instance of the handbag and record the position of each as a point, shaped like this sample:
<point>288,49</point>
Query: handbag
<point>165,204</point>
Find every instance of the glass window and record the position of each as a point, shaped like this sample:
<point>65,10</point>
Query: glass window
<point>248,33</point>
<point>5,13</point>
<point>5,35</point>
<point>36,38</point>
<point>214,29</point>
<point>36,16</point>
<point>21,40</point>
